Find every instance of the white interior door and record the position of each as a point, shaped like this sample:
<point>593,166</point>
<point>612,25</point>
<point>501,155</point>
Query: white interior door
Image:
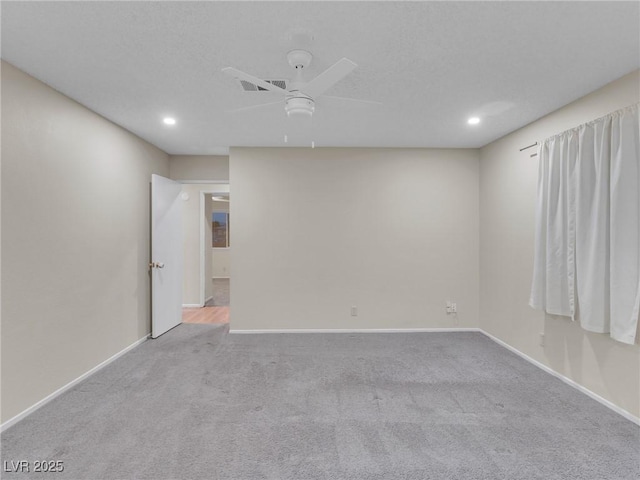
<point>166,255</point>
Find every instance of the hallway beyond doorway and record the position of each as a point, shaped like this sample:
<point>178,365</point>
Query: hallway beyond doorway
<point>212,315</point>
<point>220,293</point>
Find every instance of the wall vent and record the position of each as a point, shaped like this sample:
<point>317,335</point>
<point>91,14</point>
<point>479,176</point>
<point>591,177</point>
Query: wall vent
<point>250,87</point>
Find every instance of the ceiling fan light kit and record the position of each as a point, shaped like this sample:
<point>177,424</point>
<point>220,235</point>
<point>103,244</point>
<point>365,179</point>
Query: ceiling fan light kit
<point>299,105</point>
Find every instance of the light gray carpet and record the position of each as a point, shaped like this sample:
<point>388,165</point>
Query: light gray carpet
<point>220,293</point>
<point>200,404</point>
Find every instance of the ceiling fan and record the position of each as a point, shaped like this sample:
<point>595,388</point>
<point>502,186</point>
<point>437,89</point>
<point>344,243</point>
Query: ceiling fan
<point>301,95</point>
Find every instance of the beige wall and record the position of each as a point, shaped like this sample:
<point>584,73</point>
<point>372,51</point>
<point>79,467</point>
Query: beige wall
<point>75,239</point>
<point>221,263</point>
<point>192,220</point>
<point>508,181</point>
<point>392,231</point>
<point>199,167</point>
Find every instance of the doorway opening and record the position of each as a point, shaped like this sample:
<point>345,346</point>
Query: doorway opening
<point>211,250</point>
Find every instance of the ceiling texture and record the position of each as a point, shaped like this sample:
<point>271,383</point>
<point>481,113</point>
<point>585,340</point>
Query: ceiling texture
<point>432,65</point>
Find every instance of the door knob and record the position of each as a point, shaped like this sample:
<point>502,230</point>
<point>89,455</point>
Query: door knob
<point>160,265</point>
<point>156,265</point>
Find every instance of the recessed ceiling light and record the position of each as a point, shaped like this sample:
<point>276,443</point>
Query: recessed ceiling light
<point>169,121</point>
<point>473,121</point>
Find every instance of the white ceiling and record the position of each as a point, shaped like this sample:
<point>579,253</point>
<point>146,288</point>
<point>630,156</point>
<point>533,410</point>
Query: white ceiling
<point>432,64</point>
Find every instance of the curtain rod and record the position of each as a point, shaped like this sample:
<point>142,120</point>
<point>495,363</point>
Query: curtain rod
<point>532,145</point>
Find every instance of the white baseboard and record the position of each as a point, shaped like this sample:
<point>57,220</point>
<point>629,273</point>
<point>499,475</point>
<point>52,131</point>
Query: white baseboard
<point>567,380</point>
<point>192,305</point>
<point>69,385</point>
<point>359,330</point>
<point>220,277</point>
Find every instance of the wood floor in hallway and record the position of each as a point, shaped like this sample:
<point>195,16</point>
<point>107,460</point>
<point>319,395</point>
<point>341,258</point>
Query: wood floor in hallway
<point>217,315</point>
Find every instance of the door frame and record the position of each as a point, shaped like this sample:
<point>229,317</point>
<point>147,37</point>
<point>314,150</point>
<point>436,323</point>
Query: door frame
<point>207,191</point>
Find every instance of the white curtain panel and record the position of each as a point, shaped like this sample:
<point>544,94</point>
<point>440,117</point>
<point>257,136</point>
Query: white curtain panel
<point>587,245</point>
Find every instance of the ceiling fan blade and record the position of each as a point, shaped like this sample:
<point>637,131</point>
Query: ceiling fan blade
<point>368,102</point>
<point>329,77</point>
<point>235,73</point>
<point>255,107</point>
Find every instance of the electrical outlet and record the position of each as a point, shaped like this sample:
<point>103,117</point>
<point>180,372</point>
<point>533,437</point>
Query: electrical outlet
<point>354,311</point>
<point>452,307</point>
<point>542,339</point>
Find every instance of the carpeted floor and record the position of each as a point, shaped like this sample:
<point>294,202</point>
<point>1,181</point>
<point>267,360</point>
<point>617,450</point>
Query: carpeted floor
<point>220,293</point>
<point>200,404</point>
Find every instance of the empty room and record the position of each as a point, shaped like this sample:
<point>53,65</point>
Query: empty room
<point>320,240</point>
